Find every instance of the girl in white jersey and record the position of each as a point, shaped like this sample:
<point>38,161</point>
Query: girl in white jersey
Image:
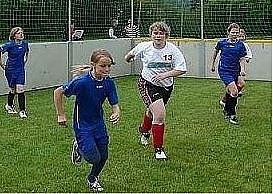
<point>162,61</point>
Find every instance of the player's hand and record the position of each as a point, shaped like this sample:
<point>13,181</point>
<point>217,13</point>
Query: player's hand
<point>158,77</point>
<point>62,121</point>
<point>114,118</point>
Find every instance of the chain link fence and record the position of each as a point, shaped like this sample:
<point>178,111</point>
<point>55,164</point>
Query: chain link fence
<point>48,20</point>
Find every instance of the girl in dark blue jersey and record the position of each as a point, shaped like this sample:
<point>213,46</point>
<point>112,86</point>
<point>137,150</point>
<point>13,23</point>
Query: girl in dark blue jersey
<point>91,90</point>
<point>17,49</point>
<point>231,66</point>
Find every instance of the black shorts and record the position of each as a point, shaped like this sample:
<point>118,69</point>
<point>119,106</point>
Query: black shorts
<point>151,93</point>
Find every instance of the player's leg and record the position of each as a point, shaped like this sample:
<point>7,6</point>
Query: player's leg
<point>145,127</point>
<point>144,89</point>
<point>93,177</point>
<point>223,100</point>
<point>10,108</point>
<point>159,114</point>
<point>20,90</point>
<point>241,85</point>
<point>158,127</point>
<point>95,151</point>
<point>21,100</point>
<point>76,157</point>
<point>231,102</point>
<point>230,80</point>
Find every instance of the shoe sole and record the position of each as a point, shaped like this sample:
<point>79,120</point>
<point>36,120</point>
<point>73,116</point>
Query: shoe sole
<point>233,122</point>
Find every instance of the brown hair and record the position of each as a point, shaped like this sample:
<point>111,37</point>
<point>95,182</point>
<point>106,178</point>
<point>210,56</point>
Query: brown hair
<point>97,54</point>
<point>94,58</point>
<point>13,32</point>
<point>233,25</point>
<point>160,26</point>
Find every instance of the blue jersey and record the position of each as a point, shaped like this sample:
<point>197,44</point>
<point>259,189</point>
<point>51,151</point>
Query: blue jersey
<point>231,53</point>
<point>90,95</point>
<point>16,55</point>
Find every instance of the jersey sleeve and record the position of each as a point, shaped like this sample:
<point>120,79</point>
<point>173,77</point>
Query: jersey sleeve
<point>112,92</point>
<point>138,50</point>
<point>179,60</point>
<point>218,45</point>
<point>72,87</point>
<point>248,51</point>
<point>4,48</point>
<point>243,51</point>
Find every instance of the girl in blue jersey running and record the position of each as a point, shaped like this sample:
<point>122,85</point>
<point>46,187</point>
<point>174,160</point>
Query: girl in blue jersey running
<point>241,81</point>
<point>91,90</point>
<point>17,49</point>
<point>231,66</point>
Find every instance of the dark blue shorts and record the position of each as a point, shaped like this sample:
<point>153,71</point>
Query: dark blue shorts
<point>227,77</point>
<point>93,144</point>
<point>15,77</point>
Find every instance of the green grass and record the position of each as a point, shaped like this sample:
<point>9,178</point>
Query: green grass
<point>206,154</point>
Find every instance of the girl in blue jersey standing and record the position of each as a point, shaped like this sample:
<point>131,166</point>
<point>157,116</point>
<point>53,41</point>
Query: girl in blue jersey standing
<point>231,66</point>
<point>17,49</point>
<point>91,89</point>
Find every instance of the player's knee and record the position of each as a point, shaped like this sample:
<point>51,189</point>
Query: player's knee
<point>92,158</point>
<point>20,89</point>
<point>234,93</point>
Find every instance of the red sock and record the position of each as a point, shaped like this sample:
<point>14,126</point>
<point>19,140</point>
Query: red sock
<point>146,124</point>
<point>158,133</point>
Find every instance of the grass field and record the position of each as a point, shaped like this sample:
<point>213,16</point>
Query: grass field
<point>206,153</point>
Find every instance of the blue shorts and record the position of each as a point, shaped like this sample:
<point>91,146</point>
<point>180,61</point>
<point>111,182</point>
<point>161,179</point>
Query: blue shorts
<point>227,77</point>
<point>15,77</point>
<point>93,144</point>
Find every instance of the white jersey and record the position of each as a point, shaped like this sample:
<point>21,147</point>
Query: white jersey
<point>157,61</point>
<point>248,51</point>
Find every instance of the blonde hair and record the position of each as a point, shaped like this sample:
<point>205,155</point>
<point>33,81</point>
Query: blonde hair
<point>14,31</point>
<point>162,26</point>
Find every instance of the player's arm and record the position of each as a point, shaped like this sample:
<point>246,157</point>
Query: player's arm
<point>1,63</point>
<point>129,57</point>
<point>114,118</point>
<point>171,73</point>
<point>59,105</point>
<point>243,62</point>
<point>213,59</point>
<point>26,57</point>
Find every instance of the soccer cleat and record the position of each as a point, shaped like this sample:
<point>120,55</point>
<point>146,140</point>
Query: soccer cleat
<point>95,186</point>
<point>10,109</point>
<point>160,154</point>
<point>76,157</point>
<point>233,119</point>
<point>144,138</point>
<point>22,114</point>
